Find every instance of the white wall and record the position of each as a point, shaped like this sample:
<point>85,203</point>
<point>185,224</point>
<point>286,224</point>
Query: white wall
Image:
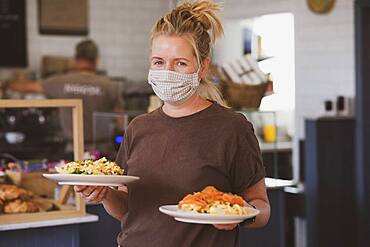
<point>231,45</point>
<point>324,52</point>
<point>120,28</point>
<point>324,48</point>
<point>325,60</point>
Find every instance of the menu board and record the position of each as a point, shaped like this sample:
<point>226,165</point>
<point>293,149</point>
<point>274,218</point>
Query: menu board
<point>63,17</point>
<point>13,43</point>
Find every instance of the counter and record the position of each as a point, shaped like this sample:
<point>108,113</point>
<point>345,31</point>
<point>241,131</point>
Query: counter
<point>278,146</point>
<point>51,233</point>
<point>49,223</point>
<point>274,183</point>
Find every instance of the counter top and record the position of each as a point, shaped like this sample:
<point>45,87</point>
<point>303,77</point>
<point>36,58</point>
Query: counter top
<point>279,146</point>
<point>45,223</point>
<point>274,183</point>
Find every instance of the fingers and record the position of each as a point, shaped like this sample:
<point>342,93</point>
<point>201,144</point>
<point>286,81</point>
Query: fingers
<point>89,190</point>
<point>226,227</point>
<point>92,193</point>
<point>102,195</point>
<point>97,195</point>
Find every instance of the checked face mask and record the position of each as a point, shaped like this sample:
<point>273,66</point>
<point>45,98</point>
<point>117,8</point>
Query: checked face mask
<point>173,87</point>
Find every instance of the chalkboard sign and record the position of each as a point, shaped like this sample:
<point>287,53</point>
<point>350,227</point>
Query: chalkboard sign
<point>13,44</point>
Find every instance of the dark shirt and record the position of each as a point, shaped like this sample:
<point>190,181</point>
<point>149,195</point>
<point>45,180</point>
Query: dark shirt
<point>177,156</point>
<point>98,94</point>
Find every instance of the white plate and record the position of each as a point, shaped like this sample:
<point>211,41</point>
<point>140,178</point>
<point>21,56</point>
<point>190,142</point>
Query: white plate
<point>94,180</point>
<point>198,218</point>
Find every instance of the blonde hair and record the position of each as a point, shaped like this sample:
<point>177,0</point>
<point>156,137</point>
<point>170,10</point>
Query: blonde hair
<point>198,23</point>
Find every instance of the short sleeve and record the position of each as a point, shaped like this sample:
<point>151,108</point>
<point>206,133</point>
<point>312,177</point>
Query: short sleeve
<point>122,155</point>
<point>247,167</point>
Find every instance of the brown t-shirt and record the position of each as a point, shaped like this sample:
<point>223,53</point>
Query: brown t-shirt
<point>177,156</point>
<point>98,94</point>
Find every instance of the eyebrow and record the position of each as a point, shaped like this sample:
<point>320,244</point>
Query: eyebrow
<point>177,58</point>
<point>157,58</point>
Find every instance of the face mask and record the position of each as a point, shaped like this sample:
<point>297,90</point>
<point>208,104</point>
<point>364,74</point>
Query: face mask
<point>173,87</point>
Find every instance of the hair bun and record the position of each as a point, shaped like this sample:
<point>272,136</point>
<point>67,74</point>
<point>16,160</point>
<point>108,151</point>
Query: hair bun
<point>205,12</point>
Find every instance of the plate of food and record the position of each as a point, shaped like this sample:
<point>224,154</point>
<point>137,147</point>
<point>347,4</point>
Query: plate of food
<point>100,172</point>
<point>210,206</point>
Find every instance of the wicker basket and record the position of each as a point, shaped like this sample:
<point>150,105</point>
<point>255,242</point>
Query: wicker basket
<point>238,95</point>
<point>242,95</point>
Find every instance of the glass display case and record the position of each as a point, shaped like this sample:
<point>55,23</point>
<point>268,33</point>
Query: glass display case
<point>26,195</point>
<point>108,131</point>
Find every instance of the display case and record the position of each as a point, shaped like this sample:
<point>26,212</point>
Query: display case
<point>50,198</point>
<point>108,131</point>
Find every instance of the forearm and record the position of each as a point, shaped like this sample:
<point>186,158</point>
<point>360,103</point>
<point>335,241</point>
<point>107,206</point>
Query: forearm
<point>263,217</point>
<point>26,86</point>
<point>115,203</point>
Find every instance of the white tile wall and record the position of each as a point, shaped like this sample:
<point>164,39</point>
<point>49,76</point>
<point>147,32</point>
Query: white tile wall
<point>325,65</point>
<point>324,47</point>
<point>120,28</point>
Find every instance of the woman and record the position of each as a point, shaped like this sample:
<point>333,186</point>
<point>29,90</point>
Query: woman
<point>189,143</point>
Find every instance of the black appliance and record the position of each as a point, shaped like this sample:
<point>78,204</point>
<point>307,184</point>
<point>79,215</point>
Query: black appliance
<point>31,133</point>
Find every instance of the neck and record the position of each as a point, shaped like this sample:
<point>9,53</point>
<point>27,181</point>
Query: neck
<point>85,66</point>
<point>193,105</point>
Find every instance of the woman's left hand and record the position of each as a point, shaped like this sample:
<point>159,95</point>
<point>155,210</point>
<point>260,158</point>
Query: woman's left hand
<point>226,227</point>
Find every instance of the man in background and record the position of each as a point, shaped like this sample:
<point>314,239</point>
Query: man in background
<point>98,93</point>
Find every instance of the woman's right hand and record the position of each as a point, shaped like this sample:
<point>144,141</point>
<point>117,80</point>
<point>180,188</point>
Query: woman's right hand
<point>94,194</point>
